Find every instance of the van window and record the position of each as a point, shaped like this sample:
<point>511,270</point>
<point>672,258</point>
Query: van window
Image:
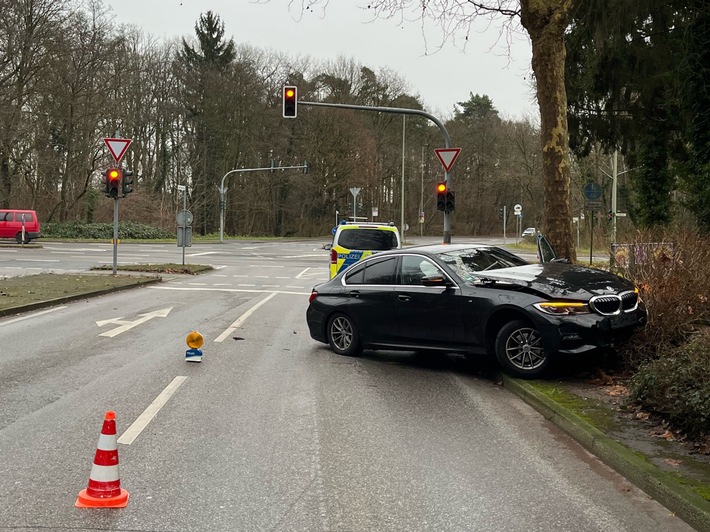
<point>26,216</point>
<point>374,239</point>
<point>6,216</point>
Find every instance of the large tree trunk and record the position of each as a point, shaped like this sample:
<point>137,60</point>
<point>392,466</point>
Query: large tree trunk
<point>546,22</point>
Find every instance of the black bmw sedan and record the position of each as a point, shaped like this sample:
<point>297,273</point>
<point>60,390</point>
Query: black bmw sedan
<point>475,299</point>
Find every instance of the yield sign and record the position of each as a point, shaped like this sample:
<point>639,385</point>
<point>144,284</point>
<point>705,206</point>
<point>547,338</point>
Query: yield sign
<point>117,147</point>
<point>447,156</point>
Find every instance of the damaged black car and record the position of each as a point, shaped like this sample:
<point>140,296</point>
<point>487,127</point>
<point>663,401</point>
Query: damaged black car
<point>475,299</point>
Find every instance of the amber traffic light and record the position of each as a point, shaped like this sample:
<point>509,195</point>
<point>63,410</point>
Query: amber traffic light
<point>112,180</point>
<point>441,196</point>
<point>290,96</point>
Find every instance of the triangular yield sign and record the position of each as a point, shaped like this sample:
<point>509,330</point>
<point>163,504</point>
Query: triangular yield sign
<point>447,156</point>
<point>117,147</point>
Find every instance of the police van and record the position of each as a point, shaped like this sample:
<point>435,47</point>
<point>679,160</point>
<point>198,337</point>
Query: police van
<point>353,241</point>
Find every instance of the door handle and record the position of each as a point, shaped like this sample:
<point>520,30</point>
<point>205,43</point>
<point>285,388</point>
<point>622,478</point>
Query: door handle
<point>403,297</point>
<point>354,293</point>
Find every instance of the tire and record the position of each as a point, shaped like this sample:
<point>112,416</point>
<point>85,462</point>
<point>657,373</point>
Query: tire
<point>18,238</point>
<point>519,350</point>
<point>343,336</point>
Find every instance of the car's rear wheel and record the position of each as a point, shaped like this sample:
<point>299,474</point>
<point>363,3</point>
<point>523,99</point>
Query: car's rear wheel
<point>18,238</point>
<point>343,336</point>
<point>519,350</point>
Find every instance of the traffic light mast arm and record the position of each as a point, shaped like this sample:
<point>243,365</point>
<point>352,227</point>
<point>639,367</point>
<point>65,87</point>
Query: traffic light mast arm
<point>402,111</point>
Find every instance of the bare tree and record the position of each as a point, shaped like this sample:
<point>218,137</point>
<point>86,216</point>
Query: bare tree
<point>545,21</point>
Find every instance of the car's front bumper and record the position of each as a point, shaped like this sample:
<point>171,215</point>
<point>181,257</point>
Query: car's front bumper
<point>583,333</point>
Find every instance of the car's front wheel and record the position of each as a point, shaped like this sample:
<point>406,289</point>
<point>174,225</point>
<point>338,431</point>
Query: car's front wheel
<point>343,336</point>
<point>519,350</point>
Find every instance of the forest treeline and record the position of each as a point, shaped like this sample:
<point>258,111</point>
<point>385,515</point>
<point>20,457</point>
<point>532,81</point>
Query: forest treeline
<point>204,104</point>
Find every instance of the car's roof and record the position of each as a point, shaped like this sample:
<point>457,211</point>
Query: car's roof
<point>367,225</point>
<point>439,248</point>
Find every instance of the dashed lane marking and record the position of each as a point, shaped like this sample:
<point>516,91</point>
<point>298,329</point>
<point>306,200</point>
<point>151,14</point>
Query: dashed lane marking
<point>149,413</point>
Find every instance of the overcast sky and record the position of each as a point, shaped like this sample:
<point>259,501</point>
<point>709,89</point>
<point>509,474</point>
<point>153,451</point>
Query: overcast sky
<point>442,78</point>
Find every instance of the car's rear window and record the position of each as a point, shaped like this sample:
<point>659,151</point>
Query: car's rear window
<point>370,239</point>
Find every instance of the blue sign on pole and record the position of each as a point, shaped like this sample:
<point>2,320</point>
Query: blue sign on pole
<point>592,191</point>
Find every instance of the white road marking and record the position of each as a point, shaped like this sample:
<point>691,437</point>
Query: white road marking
<point>203,253</point>
<point>242,318</point>
<point>149,413</point>
<point>304,271</point>
<point>256,291</point>
<point>8,322</point>
<point>128,325</point>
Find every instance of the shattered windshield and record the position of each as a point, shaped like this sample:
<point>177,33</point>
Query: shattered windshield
<point>467,263</point>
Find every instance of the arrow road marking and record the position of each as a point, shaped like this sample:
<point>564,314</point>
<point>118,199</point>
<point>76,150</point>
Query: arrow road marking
<point>128,325</point>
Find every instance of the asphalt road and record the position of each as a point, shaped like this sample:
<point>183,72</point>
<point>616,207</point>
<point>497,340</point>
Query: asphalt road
<point>272,431</point>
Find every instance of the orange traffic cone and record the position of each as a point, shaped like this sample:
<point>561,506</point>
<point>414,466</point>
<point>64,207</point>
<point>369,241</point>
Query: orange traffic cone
<point>104,489</point>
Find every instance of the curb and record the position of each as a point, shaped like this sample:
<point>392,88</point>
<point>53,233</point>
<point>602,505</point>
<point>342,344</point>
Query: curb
<point>663,487</point>
<point>140,281</point>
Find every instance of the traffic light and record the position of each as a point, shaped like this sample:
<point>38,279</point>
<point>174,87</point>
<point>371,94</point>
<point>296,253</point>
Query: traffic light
<point>441,196</point>
<point>500,213</point>
<point>126,182</point>
<point>112,177</point>
<point>610,215</point>
<point>290,96</point>
<point>450,200</point>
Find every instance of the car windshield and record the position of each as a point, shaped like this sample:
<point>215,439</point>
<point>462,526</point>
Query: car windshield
<point>374,239</point>
<point>467,262</point>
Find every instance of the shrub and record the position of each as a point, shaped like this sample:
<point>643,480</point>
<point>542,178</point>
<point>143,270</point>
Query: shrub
<point>126,230</point>
<point>673,276</point>
<point>675,386</point>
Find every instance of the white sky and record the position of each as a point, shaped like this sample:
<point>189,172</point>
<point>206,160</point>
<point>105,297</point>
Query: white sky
<point>442,78</point>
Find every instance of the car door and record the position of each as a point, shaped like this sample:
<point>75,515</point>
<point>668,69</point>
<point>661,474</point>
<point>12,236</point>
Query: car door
<point>369,288</point>
<point>426,315</point>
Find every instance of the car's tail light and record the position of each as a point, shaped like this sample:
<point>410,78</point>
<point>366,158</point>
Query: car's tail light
<point>333,256</point>
<point>562,308</point>
<point>314,294</point>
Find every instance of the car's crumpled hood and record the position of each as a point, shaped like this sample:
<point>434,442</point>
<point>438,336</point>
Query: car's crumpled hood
<point>560,279</point>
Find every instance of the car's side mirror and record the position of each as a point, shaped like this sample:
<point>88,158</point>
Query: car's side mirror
<point>436,280</point>
<point>327,246</point>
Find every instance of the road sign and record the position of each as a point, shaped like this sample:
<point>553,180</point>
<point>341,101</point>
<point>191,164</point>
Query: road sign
<point>117,147</point>
<point>592,191</point>
<point>593,205</point>
<point>447,156</point>
<point>184,218</point>
<point>517,208</point>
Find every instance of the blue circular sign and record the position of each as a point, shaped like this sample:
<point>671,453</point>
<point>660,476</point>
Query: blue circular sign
<point>592,191</point>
